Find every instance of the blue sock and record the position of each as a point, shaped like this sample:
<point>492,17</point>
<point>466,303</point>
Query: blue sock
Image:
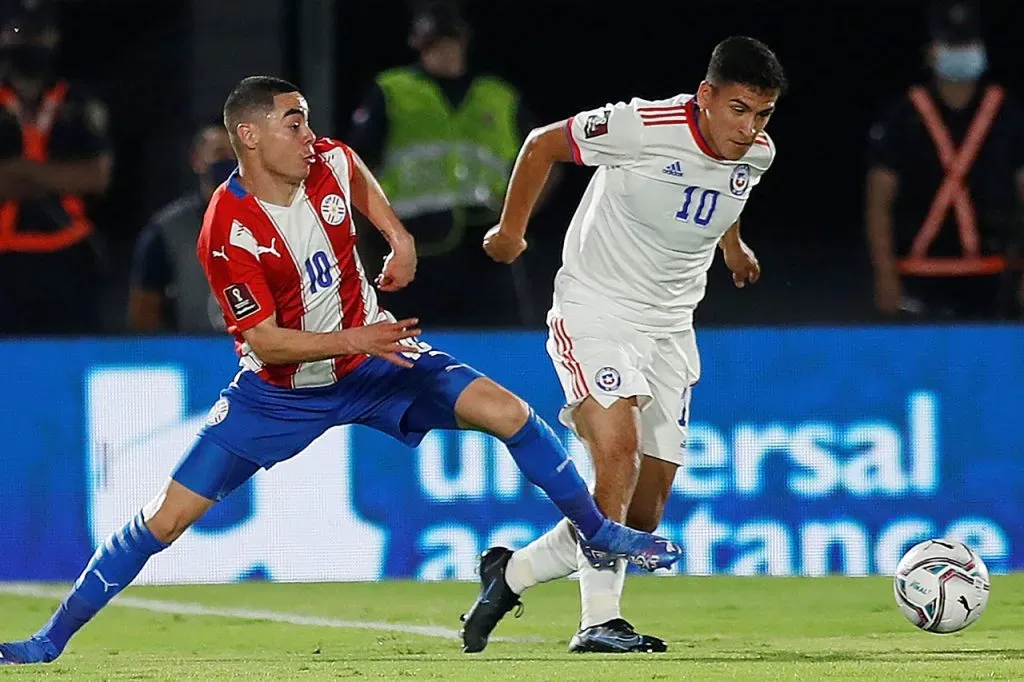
<point>545,463</point>
<point>112,568</point>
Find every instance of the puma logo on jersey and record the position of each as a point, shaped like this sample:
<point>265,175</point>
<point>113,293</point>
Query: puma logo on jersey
<point>260,250</point>
<point>221,254</point>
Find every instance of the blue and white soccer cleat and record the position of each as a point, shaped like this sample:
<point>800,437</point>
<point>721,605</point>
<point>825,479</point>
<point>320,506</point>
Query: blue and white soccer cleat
<point>617,636</point>
<point>34,650</point>
<point>645,550</point>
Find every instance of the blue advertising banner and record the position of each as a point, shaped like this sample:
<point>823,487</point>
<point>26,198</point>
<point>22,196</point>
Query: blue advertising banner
<point>811,451</point>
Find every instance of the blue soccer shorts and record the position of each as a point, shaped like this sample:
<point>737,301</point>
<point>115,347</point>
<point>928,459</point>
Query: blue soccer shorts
<point>255,425</point>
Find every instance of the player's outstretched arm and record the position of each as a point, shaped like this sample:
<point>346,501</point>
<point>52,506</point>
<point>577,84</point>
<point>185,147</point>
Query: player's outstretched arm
<point>370,200</point>
<point>279,346</point>
<point>543,147</point>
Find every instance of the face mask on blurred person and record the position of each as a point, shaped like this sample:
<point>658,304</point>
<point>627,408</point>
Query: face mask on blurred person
<point>960,63</point>
<point>220,170</point>
<point>31,61</point>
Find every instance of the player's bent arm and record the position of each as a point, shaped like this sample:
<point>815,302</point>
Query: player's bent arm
<point>882,184</point>
<point>542,148</point>
<point>276,345</point>
<point>370,200</point>
<point>731,238</point>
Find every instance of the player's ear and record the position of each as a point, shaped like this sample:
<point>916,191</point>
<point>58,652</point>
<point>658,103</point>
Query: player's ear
<point>248,134</point>
<point>705,91</point>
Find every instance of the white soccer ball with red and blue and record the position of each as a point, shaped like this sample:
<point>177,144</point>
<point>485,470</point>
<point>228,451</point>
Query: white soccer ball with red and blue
<point>941,586</point>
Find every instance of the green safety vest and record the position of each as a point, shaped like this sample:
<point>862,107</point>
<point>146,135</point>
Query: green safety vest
<point>437,158</point>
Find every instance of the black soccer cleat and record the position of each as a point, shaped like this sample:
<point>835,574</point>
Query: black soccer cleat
<point>495,600</point>
<point>616,636</point>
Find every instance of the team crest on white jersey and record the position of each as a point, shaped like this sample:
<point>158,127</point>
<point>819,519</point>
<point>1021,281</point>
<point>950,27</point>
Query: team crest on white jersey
<point>333,209</point>
<point>739,181</point>
<point>608,378</point>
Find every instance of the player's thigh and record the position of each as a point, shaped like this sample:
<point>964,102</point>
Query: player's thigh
<point>205,475</point>
<point>487,406</point>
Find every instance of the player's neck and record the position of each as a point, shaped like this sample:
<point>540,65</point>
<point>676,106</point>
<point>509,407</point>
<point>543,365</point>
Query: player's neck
<point>268,188</point>
<point>956,95</point>
<point>702,127</point>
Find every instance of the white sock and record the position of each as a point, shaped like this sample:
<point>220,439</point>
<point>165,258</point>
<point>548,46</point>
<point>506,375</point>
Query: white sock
<point>600,591</point>
<point>551,556</point>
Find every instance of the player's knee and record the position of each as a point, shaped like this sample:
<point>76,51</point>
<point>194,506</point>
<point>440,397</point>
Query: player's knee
<point>510,415</point>
<point>488,406</point>
<point>169,516</point>
<point>167,526</point>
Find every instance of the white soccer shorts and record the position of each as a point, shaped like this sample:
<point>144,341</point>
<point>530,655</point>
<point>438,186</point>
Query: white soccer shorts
<point>607,359</point>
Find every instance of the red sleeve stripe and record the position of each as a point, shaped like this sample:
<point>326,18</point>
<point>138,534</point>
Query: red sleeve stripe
<point>648,116</point>
<point>670,107</point>
<point>666,122</point>
<point>575,148</point>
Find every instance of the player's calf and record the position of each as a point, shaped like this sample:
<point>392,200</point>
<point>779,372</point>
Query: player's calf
<point>113,567</point>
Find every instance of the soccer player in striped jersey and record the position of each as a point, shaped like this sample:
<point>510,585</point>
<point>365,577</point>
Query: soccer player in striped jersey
<point>278,245</point>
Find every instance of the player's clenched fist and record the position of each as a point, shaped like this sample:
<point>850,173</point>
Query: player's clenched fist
<point>501,246</point>
<point>383,339</point>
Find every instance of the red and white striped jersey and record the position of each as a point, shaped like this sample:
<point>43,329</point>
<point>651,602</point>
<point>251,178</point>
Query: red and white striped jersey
<point>298,263</point>
<point>644,235</point>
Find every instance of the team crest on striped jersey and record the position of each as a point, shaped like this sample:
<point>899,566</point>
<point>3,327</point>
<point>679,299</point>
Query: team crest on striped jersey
<point>333,209</point>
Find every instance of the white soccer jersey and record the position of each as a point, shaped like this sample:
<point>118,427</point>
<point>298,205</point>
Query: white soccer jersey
<point>645,233</point>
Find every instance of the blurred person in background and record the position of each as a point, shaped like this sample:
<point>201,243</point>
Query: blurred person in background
<point>442,139</point>
<point>168,287</point>
<point>54,152</point>
<point>945,182</point>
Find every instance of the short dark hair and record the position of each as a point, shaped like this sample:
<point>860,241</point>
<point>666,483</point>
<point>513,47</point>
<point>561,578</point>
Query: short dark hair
<point>252,96</point>
<point>746,61</point>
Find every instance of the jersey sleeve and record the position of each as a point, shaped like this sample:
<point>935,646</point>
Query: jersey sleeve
<point>609,136</point>
<point>338,156</point>
<point>236,277</point>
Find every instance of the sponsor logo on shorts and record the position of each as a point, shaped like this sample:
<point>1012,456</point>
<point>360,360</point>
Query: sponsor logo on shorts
<point>608,379</point>
<point>218,412</point>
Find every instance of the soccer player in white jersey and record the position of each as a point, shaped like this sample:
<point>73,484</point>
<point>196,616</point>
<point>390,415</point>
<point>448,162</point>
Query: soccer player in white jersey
<point>278,246</point>
<point>673,177</point>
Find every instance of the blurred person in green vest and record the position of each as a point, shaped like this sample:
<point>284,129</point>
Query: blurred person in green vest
<point>442,140</point>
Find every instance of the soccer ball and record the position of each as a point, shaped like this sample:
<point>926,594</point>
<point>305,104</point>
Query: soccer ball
<point>941,586</point>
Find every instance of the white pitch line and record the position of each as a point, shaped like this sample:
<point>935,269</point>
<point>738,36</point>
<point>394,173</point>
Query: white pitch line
<point>187,609</point>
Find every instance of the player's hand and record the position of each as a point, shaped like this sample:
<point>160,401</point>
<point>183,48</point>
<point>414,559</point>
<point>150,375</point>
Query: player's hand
<point>501,247</point>
<point>399,269</point>
<point>741,260</point>
<point>383,340</point>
